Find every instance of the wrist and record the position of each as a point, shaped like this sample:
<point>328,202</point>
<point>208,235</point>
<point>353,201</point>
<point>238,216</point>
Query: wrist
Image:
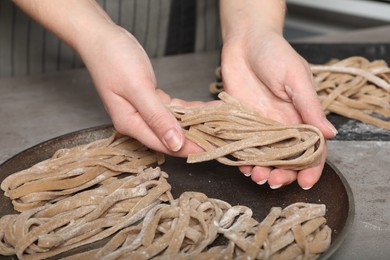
<point>239,18</point>
<point>90,39</point>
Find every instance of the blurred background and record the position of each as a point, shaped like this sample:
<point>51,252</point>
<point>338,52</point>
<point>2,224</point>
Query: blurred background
<point>307,18</point>
<point>169,27</point>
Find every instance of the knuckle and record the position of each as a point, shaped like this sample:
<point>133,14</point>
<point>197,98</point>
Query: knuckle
<point>157,121</point>
<point>121,128</point>
<point>126,127</point>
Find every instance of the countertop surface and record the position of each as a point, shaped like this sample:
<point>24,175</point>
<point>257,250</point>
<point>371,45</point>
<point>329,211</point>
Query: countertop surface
<point>37,108</point>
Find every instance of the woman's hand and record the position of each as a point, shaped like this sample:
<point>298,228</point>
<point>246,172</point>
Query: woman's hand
<point>120,69</point>
<point>125,81</point>
<point>261,69</point>
<point>124,78</point>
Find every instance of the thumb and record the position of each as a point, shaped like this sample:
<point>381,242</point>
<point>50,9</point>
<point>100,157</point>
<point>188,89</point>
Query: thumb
<point>305,100</point>
<point>159,119</point>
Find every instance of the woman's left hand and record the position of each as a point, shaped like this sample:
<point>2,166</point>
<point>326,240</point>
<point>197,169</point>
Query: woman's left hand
<point>261,69</point>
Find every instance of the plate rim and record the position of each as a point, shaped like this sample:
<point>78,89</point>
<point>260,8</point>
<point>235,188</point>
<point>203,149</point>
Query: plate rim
<point>350,218</point>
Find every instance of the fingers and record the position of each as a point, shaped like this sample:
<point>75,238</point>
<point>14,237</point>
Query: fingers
<point>260,175</point>
<point>308,177</point>
<point>158,118</point>
<point>300,88</point>
<point>277,178</point>
<point>246,170</point>
<point>129,122</point>
<point>182,103</point>
<point>280,177</point>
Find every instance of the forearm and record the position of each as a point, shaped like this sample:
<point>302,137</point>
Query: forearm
<point>76,22</point>
<point>241,16</point>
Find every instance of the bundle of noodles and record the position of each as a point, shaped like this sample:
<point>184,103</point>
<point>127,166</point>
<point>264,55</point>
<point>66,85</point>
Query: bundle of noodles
<point>83,218</point>
<point>133,205</point>
<point>182,229</point>
<point>355,88</point>
<point>298,231</point>
<point>187,228</point>
<point>71,170</point>
<point>236,135</point>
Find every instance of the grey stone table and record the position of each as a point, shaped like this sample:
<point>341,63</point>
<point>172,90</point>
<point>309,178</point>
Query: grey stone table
<point>37,108</point>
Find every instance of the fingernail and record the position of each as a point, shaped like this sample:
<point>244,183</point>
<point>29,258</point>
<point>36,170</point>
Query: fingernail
<point>172,140</point>
<point>262,182</point>
<point>248,174</point>
<point>307,188</point>
<point>274,187</point>
<point>331,127</point>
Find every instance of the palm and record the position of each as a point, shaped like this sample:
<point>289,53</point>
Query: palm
<point>266,74</point>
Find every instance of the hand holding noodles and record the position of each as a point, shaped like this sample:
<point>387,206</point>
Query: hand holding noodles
<point>353,87</point>
<point>237,135</point>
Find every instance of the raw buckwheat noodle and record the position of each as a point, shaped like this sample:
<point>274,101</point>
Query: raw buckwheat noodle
<point>83,218</point>
<point>107,190</point>
<point>237,135</point>
<point>187,227</point>
<point>132,205</point>
<point>71,170</point>
<point>353,87</point>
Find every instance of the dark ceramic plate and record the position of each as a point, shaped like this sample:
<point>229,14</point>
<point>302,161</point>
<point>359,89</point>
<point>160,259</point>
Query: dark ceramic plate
<point>215,180</point>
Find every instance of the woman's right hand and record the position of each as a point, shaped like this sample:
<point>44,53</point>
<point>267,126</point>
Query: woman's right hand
<point>125,81</point>
<point>120,69</point>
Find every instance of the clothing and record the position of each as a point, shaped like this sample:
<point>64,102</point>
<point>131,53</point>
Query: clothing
<point>163,27</point>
